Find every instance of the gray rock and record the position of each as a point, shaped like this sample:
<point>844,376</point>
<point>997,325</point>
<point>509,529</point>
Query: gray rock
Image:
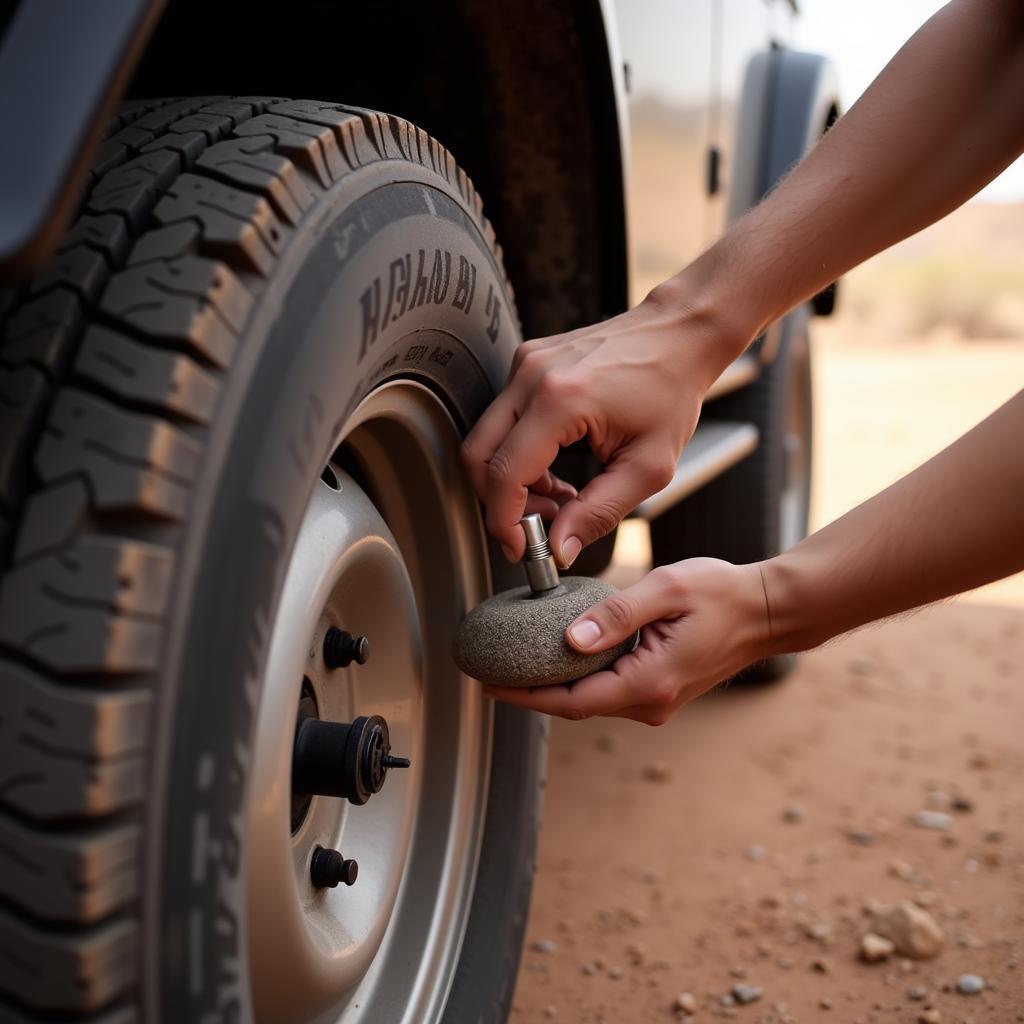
<point>970,984</point>
<point>545,946</point>
<point>938,820</point>
<point>744,993</point>
<point>518,639</point>
<point>917,993</point>
<point>861,837</point>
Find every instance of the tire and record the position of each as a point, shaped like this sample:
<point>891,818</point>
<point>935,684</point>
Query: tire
<point>211,357</point>
<point>760,506</point>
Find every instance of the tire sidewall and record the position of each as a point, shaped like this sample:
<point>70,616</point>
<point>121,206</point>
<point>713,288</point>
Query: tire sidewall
<point>306,361</point>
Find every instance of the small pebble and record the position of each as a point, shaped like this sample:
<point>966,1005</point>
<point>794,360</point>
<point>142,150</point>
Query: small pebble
<point>589,968</point>
<point>657,771</point>
<point>962,804</point>
<point>794,814</point>
<point>929,1016</point>
<point>873,948</point>
<point>755,853</point>
<point>917,993</point>
<point>727,1000</point>
<point>970,984</point>
<point>550,1011</point>
<point>825,1003</point>
<point>744,994</point>
<point>686,1003</point>
<point>861,837</point>
<point>938,820</point>
<point>784,963</point>
<point>545,946</point>
<point>993,835</point>
<point>901,869</point>
<point>821,966</point>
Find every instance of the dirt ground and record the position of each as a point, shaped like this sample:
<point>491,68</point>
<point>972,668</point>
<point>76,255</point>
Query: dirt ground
<point>746,842</point>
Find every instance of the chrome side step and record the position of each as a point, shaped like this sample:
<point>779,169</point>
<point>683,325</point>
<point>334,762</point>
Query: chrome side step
<point>713,448</point>
<point>738,374</point>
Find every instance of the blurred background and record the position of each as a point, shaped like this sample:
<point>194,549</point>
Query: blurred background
<point>746,842</point>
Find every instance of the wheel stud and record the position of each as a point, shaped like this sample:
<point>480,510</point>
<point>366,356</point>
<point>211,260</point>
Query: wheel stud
<point>341,649</point>
<point>328,868</point>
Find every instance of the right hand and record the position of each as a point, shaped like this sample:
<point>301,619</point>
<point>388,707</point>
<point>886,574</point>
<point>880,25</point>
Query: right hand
<point>632,385</point>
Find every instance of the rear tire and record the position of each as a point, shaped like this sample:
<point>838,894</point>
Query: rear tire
<point>760,506</point>
<point>244,276</point>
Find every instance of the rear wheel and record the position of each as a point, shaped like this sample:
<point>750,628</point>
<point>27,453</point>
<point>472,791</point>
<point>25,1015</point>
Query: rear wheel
<point>234,405</point>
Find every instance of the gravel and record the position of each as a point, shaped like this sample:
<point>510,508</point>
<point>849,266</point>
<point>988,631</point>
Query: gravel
<point>937,820</point>
<point>970,984</point>
<point>875,948</point>
<point>544,946</point>
<point>912,931</point>
<point>744,993</point>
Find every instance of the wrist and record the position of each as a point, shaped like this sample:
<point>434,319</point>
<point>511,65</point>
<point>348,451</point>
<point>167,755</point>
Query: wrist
<point>797,615</point>
<point>706,306</point>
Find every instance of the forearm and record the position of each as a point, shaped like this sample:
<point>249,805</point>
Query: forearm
<point>955,523</point>
<point>941,120</point>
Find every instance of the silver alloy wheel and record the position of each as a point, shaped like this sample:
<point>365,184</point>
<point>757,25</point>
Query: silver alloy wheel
<point>399,556</point>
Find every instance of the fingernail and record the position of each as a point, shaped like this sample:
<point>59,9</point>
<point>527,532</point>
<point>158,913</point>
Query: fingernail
<point>509,553</point>
<point>570,549</point>
<point>585,633</point>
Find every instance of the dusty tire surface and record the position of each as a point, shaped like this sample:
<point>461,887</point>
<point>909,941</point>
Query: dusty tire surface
<point>242,273</point>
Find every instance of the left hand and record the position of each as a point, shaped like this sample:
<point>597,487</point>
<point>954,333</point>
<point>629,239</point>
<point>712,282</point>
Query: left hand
<point>701,621</point>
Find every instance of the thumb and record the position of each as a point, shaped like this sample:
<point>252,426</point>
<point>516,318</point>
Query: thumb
<point>657,596</point>
<point>604,503</point>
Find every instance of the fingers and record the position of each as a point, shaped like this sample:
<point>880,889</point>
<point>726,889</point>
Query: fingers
<point>659,595</point>
<point>524,456</point>
<point>607,500</point>
<point>483,440</point>
<point>642,678</point>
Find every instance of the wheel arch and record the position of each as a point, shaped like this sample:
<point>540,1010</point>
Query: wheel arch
<point>527,97</point>
<point>789,100</point>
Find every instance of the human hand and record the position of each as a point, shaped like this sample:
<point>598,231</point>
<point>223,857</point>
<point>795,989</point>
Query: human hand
<point>701,621</point>
<point>632,385</point>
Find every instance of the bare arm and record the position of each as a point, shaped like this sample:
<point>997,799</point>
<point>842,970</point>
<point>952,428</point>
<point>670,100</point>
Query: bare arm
<point>942,119</point>
<point>955,523</point>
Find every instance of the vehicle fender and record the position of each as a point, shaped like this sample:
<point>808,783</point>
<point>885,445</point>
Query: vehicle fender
<point>63,67</point>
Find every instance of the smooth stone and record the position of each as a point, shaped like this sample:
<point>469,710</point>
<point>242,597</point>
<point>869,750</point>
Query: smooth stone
<point>517,638</point>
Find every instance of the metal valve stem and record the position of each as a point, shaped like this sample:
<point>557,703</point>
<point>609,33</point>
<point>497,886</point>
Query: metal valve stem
<point>538,561</point>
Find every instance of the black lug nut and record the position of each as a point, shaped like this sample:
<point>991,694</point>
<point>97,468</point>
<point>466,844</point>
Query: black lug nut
<point>328,868</point>
<point>341,649</point>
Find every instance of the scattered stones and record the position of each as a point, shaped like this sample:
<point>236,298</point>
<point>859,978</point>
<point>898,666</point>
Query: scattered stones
<point>861,837</point>
<point>656,771</point>
<point>917,993</point>
<point>970,984</point>
<point>819,931</point>
<point>727,1000</point>
<point>821,966</point>
<point>589,968</point>
<point>938,799</point>
<point>686,1003</point>
<point>737,972</point>
<point>794,814</point>
<point>825,1003</point>
<point>614,972</point>
<point>937,820</point>
<point>550,1011</point>
<point>874,948</point>
<point>755,853</point>
<point>962,804</point>
<point>744,993</point>
<point>546,946</point>
<point>912,930</point>
<point>784,963</point>
<point>929,1016</point>
<point>901,869</point>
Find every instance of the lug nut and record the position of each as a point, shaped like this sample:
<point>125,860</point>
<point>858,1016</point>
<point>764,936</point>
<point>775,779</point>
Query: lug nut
<point>328,868</point>
<point>341,649</point>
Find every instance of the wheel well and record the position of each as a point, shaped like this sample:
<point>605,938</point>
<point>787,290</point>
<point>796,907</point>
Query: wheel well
<point>521,94</point>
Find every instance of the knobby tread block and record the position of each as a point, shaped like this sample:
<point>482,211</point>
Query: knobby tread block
<point>66,972</point>
<point>79,876</point>
<point>111,362</point>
